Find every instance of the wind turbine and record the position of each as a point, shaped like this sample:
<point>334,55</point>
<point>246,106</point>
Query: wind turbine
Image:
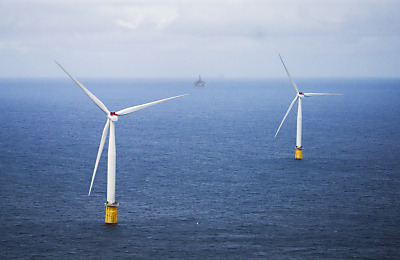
<point>299,97</point>
<point>112,117</point>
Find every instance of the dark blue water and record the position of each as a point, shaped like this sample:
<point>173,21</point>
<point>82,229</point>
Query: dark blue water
<point>201,176</point>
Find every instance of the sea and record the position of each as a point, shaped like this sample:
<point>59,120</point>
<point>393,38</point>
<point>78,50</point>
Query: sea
<point>201,177</point>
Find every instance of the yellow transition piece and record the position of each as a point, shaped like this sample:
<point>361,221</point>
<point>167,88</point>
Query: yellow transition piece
<point>111,213</point>
<point>299,153</point>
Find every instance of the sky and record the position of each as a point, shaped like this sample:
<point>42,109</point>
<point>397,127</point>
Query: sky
<point>214,38</point>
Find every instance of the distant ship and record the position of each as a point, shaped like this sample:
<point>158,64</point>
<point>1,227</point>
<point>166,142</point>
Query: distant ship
<point>199,83</point>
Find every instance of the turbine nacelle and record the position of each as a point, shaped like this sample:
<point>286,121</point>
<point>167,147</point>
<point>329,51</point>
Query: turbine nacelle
<point>300,94</point>
<point>113,116</point>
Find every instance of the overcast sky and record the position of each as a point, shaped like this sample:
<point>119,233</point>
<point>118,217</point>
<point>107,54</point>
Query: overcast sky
<point>214,38</point>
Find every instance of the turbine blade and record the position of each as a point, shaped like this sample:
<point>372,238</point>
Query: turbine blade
<point>103,140</point>
<point>136,108</point>
<point>91,96</point>
<point>290,107</point>
<point>290,77</point>
<point>320,94</point>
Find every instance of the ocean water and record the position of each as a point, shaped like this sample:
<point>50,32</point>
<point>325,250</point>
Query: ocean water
<point>201,177</point>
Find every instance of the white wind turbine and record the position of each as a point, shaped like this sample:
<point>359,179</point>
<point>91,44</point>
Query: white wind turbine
<point>112,117</point>
<point>299,97</point>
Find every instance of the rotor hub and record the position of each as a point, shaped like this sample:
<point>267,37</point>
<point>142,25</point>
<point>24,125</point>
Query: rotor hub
<point>113,116</point>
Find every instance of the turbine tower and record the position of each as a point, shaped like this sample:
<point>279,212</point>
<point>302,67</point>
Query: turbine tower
<point>112,117</point>
<point>299,96</point>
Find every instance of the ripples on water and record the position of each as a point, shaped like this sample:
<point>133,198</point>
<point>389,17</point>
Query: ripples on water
<point>201,177</point>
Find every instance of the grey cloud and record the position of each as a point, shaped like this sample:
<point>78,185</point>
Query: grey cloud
<point>174,32</point>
